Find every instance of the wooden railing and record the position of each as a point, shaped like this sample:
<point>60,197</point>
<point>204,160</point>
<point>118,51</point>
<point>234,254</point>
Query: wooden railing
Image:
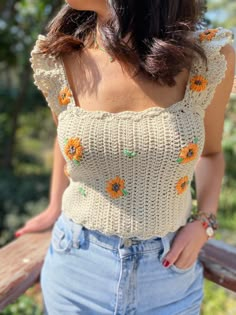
<point>22,259</point>
<point>20,265</point>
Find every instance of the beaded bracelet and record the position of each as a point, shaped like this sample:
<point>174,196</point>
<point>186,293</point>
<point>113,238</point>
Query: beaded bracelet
<point>211,218</point>
<point>207,219</point>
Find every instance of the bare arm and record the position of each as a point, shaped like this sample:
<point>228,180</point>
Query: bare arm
<point>210,168</point>
<point>209,172</point>
<point>59,181</point>
<point>58,184</point>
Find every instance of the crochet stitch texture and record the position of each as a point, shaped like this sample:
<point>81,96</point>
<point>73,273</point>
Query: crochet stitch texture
<point>130,172</point>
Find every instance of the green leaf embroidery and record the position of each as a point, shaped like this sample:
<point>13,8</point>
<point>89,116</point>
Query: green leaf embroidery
<point>82,191</point>
<point>65,141</point>
<point>179,160</point>
<point>195,140</point>
<point>77,162</point>
<point>125,193</point>
<point>129,153</point>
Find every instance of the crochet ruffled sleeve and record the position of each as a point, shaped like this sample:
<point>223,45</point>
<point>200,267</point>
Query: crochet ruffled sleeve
<point>206,78</point>
<point>49,77</point>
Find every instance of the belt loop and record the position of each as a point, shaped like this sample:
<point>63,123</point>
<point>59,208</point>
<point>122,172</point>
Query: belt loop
<point>120,244</point>
<point>76,231</point>
<point>166,246</point>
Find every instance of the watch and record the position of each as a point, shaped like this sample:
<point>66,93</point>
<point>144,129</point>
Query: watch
<point>210,232</point>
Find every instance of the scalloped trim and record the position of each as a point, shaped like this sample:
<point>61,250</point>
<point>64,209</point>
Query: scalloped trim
<point>49,76</point>
<point>217,66</point>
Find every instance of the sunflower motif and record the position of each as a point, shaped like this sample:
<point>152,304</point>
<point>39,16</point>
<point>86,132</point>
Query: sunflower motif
<point>182,184</point>
<point>64,96</point>
<point>208,34</point>
<point>74,149</point>
<point>115,187</point>
<point>198,83</point>
<point>188,153</point>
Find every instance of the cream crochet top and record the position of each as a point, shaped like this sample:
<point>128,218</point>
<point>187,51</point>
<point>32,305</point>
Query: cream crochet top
<point>130,172</point>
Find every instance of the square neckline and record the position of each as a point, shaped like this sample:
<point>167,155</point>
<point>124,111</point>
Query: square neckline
<point>158,109</point>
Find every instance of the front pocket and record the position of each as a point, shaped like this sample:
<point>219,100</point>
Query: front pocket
<point>180,270</point>
<point>166,246</point>
<point>61,241</point>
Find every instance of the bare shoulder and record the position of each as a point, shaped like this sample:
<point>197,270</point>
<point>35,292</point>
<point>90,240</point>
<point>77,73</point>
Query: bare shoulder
<point>225,87</point>
<point>229,52</point>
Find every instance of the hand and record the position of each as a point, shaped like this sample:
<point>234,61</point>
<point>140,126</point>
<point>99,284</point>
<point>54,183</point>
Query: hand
<point>186,245</point>
<point>39,222</point>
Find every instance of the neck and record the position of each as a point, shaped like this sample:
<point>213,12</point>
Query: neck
<point>98,35</point>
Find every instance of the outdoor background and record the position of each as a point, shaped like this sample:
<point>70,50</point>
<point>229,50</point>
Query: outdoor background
<point>27,133</point>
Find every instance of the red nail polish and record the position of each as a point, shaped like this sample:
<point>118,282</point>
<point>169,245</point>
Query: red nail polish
<point>17,234</point>
<point>166,263</point>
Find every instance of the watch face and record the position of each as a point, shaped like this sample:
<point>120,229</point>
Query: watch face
<point>210,231</point>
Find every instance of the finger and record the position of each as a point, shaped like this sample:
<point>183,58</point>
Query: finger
<point>185,260</point>
<point>27,228</point>
<point>24,229</point>
<point>187,257</point>
<point>174,252</point>
<point>19,232</point>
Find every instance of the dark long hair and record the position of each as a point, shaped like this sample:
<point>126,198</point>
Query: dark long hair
<point>160,34</point>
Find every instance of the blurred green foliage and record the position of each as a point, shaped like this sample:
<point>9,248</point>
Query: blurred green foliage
<point>27,134</point>
<point>222,12</point>
<point>217,300</point>
<point>24,305</point>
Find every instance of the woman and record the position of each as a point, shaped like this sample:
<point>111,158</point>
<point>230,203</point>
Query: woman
<point>138,95</point>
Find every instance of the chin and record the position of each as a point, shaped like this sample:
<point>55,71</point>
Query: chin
<point>84,5</point>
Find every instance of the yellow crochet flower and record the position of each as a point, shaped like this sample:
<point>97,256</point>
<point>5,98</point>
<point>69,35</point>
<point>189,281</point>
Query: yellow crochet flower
<point>208,34</point>
<point>64,96</point>
<point>188,153</point>
<point>182,184</point>
<point>74,149</point>
<point>115,187</point>
<point>198,83</point>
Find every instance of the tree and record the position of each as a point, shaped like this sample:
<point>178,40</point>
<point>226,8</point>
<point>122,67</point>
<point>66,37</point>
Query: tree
<point>222,12</point>
<point>20,23</point>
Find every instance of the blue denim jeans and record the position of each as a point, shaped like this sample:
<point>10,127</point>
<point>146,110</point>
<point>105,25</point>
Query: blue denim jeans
<point>87,272</point>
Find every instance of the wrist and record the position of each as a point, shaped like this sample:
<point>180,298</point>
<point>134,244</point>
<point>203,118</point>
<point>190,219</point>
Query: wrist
<point>200,228</point>
<point>207,220</point>
<point>54,209</point>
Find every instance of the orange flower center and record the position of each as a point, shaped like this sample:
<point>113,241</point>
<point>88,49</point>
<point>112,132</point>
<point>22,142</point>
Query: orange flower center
<point>183,185</point>
<point>115,187</point>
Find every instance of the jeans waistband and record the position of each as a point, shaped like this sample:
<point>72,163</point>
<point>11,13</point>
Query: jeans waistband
<point>112,242</point>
